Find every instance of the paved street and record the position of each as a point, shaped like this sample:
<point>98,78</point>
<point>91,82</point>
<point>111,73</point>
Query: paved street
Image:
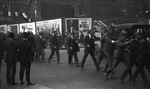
<point>62,76</point>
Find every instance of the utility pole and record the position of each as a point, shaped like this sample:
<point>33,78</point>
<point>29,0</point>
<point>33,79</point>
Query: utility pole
<point>35,13</point>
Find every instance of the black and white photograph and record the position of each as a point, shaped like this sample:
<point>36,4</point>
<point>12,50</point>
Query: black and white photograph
<point>74,44</point>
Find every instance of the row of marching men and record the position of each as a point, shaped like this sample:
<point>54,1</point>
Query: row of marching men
<point>133,51</point>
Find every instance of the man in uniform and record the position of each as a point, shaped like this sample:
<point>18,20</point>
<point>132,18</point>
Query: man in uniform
<point>141,60</point>
<point>134,45</point>
<point>108,48</point>
<point>121,55</point>
<point>40,46</point>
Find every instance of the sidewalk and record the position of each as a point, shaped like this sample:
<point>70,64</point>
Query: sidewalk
<point>37,86</point>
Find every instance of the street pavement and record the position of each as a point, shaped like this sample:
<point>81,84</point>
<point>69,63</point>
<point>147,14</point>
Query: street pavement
<point>62,76</point>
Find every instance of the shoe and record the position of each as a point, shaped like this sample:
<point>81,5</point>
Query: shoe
<point>21,83</point>
<point>58,63</point>
<point>106,75</point>
<point>122,81</point>
<point>70,64</point>
<point>112,76</point>
<point>49,60</point>
<point>82,69</point>
<point>8,83</point>
<point>77,65</point>
<point>146,84</point>
<point>30,83</point>
<point>99,69</point>
<point>133,83</point>
<point>13,83</point>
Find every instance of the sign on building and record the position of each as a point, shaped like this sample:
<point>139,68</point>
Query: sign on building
<point>27,27</point>
<point>3,29</point>
<point>48,26</point>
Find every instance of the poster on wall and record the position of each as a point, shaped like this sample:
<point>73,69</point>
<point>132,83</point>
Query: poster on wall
<point>85,24</point>
<point>80,25</point>
<point>72,24</point>
<point>3,29</point>
<point>13,28</point>
<point>47,26</point>
<point>27,27</point>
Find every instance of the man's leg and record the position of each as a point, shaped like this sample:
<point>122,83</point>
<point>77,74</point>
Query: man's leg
<point>8,77</point>
<point>57,53</point>
<point>22,69</point>
<point>70,54</point>
<point>76,59</point>
<point>28,66</point>
<point>83,60</point>
<point>126,71</point>
<point>13,73</point>
<point>43,54</point>
<point>94,59</point>
<point>51,55</point>
<point>100,58</point>
<point>109,57</point>
<point>141,71</point>
<point>116,63</point>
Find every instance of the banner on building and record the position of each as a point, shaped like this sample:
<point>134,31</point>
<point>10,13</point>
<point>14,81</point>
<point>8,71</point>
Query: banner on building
<point>3,29</point>
<point>48,26</point>
<point>27,27</point>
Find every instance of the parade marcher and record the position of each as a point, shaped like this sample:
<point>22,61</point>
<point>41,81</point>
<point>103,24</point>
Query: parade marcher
<point>31,38</point>
<point>10,59</point>
<point>121,55</point>
<point>133,47</point>
<point>73,48</point>
<point>108,48</point>
<point>148,61</point>
<point>89,49</point>
<point>66,41</point>
<point>141,60</point>
<point>40,46</point>
<point>54,45</point>
<point>25,51</point>
<point>2,49</point>
<point>101,52</point>
<point>81,38</point>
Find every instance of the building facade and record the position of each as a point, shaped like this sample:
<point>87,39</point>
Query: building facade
<point>97,9</point>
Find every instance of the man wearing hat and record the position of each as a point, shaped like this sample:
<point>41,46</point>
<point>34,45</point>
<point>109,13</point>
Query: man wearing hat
<point>54,45</point>
<point>73,48</point>
<point>89,49</point>
<point>25,57</point>
<point>10,59</point>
